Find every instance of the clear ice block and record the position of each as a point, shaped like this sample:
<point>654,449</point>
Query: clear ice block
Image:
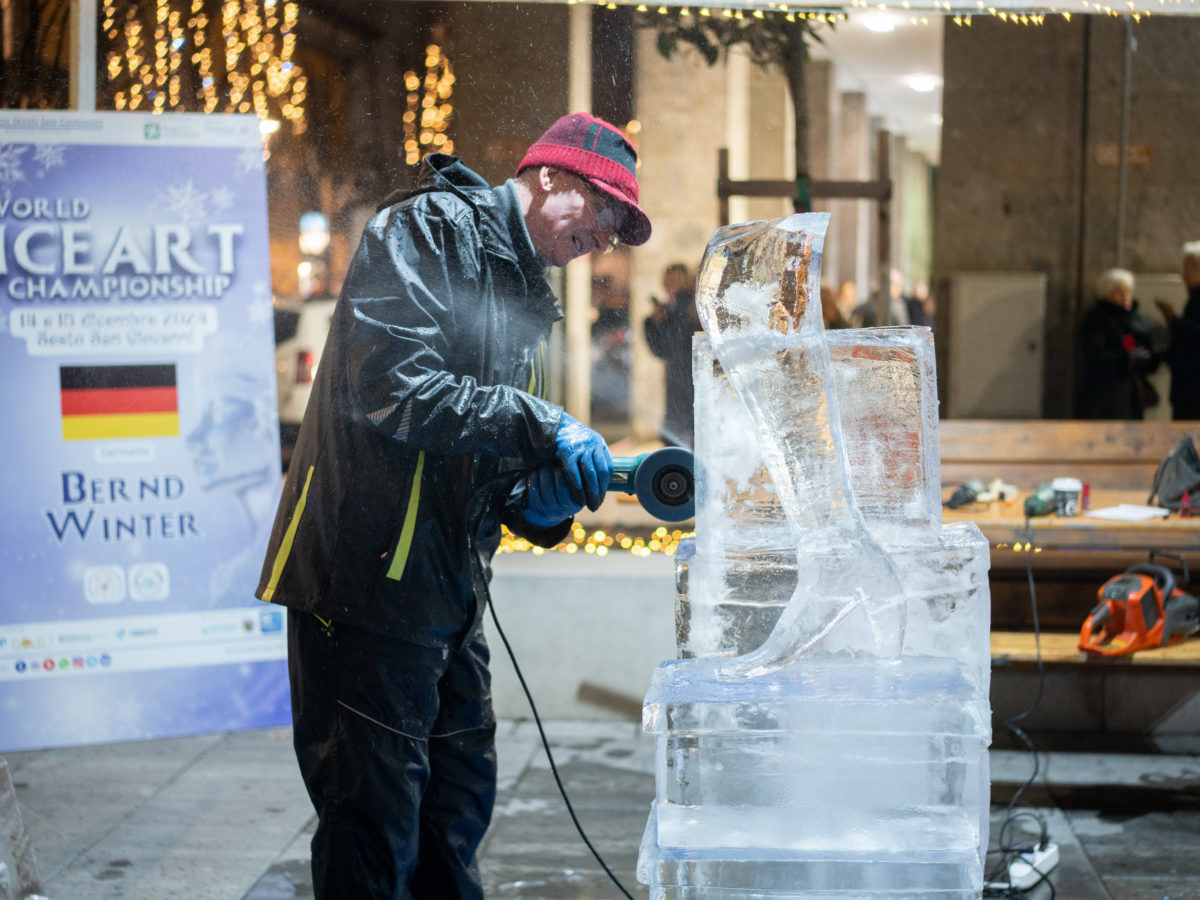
<point>846,757</point>
<point>740,572</point>
<point>887,406</point>
<point>889,774</point>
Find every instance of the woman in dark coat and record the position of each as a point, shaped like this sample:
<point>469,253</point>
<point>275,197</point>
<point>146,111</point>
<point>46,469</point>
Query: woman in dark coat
<point>1116,351</point>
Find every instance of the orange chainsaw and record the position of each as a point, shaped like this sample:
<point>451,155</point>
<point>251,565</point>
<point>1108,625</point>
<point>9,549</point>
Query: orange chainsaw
<point>1145,606</point>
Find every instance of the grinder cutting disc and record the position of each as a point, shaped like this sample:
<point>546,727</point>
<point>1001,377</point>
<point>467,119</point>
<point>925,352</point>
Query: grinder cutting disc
<point>665,484</point>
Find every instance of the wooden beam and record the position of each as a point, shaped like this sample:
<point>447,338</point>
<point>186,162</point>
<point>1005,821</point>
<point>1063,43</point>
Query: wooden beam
<point>879,191</point>
<point>821,190</point>
<point>723,186</point>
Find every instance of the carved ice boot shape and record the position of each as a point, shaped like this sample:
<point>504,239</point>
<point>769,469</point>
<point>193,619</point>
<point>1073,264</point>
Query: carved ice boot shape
<point>758,298</point>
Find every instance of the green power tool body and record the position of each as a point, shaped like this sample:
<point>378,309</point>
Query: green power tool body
<point>1040,502</point>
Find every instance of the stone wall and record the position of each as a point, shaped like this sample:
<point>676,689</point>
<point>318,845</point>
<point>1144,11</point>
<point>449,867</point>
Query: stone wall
<point>511,65</point>
<point>681,103</point>
<point>1029,177</point>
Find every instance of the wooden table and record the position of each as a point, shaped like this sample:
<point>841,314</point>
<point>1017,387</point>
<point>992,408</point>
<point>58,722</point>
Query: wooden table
<point>1071,558</point>
<point>1003,524</point>
<point>1019,648</point>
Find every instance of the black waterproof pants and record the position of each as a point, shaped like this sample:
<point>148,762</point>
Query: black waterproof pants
<point>396,747</point>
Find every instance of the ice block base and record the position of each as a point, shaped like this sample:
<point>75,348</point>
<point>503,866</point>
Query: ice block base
<point>775,875</point>
<point>833,775</point>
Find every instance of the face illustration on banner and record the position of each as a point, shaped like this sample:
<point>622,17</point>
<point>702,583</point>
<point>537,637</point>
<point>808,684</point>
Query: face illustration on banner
<point>235,451</point>
<point>233,448</point>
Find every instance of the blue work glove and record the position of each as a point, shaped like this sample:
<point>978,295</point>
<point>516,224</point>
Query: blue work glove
<point>548,497</point>
<point>585,457</point>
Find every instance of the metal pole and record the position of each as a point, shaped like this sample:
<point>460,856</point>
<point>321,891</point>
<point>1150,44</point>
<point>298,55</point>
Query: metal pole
<point>883,305</point>
<point>722,178</point>
<point>578,399</point>
<point>83,55</point>
<point>1123,150</point>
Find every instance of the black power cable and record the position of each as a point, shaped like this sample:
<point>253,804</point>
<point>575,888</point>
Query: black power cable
<point>550,756</point>
<point>510,478</point>
<point>507,477</point>
<point>1010,852</point>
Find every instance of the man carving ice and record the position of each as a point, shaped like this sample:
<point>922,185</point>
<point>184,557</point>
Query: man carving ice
<point>426,415</point>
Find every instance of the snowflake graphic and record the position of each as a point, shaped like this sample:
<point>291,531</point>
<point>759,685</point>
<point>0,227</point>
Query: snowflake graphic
<point>185,202</point>
<point>222,199</point>
<point>10,163</point>
<point>251,160</point>
<point>49,156</point>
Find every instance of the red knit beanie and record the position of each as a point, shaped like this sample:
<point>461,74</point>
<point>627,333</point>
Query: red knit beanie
<point>595,150</point>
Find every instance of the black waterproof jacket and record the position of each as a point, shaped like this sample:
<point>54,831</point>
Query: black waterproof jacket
<point>1114,383</point>
<point>671,341</point>
<point>425,410</point>
<point>1185,360</point>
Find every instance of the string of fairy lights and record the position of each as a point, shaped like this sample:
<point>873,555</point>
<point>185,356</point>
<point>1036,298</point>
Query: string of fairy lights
<point>600,542</point>
<point>427,107</point>
<point>791,14</point>
<point>172,54</point>
<point>238,56</point>
<point>661,540</point>
<point>961,12</point>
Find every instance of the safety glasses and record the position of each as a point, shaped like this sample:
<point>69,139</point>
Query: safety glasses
<point>609,219</point>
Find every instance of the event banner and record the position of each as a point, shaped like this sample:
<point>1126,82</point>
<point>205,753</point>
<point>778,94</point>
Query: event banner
<point>141,463</point>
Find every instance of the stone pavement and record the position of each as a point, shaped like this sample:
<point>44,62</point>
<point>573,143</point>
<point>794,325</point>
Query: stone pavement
<point>224,816</point>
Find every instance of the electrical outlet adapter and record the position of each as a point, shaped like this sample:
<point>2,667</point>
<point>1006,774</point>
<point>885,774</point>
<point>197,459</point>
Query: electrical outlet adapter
<point>1029,868</point>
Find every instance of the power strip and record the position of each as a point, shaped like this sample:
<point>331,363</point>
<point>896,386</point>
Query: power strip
<point>1028,869</point>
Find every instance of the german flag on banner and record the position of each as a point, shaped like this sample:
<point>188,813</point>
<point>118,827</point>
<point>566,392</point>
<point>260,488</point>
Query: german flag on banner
<point>101,402</point>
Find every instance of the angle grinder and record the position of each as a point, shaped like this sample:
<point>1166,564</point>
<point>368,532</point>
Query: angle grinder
<point>663,481</point>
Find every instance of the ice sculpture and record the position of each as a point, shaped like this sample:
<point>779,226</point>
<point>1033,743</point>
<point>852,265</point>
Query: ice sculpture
<point>754,290</point>
<point>811,743</point>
